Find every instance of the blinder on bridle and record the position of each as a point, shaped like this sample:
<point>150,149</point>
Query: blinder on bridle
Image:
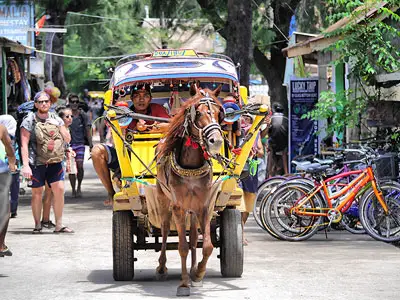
<point>205,133</point>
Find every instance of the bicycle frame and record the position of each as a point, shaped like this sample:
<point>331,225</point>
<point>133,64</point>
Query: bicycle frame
<point>349,193</point>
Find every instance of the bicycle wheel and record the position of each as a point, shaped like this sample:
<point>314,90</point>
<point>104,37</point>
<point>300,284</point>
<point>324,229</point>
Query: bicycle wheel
<point>378,224</point>
<point>284,222</point>
<point>351,219</point>
<point>264,190</point>
<point>267,198</point>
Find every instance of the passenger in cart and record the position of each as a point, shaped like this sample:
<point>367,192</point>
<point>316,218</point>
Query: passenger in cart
<point>105,158</point>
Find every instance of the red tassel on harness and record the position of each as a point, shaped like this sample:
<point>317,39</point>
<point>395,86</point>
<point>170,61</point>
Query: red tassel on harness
<point>237,151</point>
<point>205,153</point>
<point>188,142</point>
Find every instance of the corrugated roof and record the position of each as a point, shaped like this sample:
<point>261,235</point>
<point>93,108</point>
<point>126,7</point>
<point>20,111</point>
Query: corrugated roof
<point>14,45</point>
<point>321,42</point>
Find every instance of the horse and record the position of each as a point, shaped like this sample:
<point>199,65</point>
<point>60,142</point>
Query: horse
<point>184,180</point>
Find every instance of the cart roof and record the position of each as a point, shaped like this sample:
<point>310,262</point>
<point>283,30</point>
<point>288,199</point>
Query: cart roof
<point>174,66</point>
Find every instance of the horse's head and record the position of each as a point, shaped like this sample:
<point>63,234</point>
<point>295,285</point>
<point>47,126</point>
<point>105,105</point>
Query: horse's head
<point>205,117</point>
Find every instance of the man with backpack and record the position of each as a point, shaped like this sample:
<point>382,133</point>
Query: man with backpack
<point>81,135</point>
<point>43,138</point>
<point>278,142</point>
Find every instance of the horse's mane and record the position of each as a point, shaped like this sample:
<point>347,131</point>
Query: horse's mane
<point>175,129</point>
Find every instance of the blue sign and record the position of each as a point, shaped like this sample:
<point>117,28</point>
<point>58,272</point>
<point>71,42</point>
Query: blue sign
<point>303,97</point>
<point>15,19</point>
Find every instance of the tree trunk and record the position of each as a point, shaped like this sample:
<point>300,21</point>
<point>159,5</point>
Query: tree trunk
<point>238,42</point>
<point>54,43</point>
<point>274,71</point>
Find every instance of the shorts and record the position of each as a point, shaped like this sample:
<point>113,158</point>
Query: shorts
<point>5,180</point>
<point>250,183</point>
<point>80,152</point>
<point>47,173</point>
<point>112,163</point>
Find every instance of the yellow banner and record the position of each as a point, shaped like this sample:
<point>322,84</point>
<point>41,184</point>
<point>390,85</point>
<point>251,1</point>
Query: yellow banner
<point>174,53</point>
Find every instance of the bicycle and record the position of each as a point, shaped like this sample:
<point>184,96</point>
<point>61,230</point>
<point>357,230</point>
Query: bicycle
<point>296,210</point>
<point>350,220</point>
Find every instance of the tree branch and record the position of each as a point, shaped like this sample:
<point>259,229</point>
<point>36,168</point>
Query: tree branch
<point>210,10</point>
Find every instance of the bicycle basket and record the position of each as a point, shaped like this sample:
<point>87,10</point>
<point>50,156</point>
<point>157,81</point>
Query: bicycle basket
<point>387,166</point>
<point>351,156</point>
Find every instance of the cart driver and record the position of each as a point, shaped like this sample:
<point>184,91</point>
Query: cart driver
<point>105,157</point>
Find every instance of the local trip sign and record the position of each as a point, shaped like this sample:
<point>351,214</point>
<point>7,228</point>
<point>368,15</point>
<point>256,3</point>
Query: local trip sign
<point>303,97</point>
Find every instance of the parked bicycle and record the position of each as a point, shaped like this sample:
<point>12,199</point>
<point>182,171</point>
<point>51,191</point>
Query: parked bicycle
<point>297,210</point>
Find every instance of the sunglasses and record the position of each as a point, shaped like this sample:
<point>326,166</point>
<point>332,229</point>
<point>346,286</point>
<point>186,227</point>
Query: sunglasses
<point>43,101</point>
<point>74,102</point>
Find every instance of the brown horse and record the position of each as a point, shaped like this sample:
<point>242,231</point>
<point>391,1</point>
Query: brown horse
<point>184,181</point>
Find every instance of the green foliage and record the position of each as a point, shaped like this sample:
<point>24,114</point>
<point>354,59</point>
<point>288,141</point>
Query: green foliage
<point>262,33</point>
<point>311,16</point>
<point>368,46</point>
<point>341,109</point>
<point>119,32</point>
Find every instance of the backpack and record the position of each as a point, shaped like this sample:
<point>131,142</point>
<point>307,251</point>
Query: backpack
<point>49,143</point>
<point>22,111</point>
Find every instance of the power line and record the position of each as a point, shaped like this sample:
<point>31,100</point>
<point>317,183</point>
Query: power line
<point>265,15</point>
<point>94,16</point>
<point>77,57</point>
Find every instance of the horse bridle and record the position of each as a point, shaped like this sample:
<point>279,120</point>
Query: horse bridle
<point>202,134</point>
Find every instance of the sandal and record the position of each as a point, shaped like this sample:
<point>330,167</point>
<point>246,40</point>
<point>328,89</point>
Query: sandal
<point>5,252</point>
<point>48,224</point>
<point>64,229</point>
<point>37,230</point>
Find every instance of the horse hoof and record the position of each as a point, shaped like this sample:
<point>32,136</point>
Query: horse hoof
<point>183,291</point>
<point>197,283</point>
<point>161,277</point>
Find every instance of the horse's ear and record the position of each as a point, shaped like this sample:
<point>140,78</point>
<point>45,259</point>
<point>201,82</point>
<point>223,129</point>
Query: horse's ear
<point>217,90</point>
<point>193,89</point>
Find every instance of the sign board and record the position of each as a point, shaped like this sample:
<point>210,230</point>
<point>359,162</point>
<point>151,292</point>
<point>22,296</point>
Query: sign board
<point>15,19</point>
<point>303,97</point>
<point>174,53</point>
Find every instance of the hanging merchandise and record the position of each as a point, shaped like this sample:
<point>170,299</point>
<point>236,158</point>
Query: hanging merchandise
<point>26,88</point>
<point>13,73</point>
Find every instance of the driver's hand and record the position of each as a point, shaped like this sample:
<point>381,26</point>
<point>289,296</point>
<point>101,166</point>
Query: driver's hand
<point>141,125</point>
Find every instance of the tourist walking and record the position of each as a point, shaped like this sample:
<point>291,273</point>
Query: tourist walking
<point>43,135</point>
<point>10,124</point>
<point>6,150</point>
<point>81,135</point>
<point>278,142</point>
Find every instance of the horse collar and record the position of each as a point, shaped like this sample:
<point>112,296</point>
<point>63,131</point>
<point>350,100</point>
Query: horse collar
<point>182,172</point>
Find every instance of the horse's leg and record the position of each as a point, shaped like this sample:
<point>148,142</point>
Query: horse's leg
<point>193,243</point>
<point>183,247</point>
<point>162,270</point>
<point>208,247</point>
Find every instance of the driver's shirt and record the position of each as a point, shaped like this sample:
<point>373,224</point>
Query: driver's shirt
<point>155,110</point>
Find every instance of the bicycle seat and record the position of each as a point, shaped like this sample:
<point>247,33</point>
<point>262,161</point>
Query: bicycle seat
<point>323,161</point>
<point>317,170</point>
<point>305,167</point>
<point>300,163</point>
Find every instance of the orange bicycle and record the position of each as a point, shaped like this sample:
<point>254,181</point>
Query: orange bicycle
<point>297,210</point>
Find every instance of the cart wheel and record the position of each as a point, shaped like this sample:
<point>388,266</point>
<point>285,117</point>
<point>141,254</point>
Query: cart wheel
<point>231,243</point>
<point>123,259</point>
